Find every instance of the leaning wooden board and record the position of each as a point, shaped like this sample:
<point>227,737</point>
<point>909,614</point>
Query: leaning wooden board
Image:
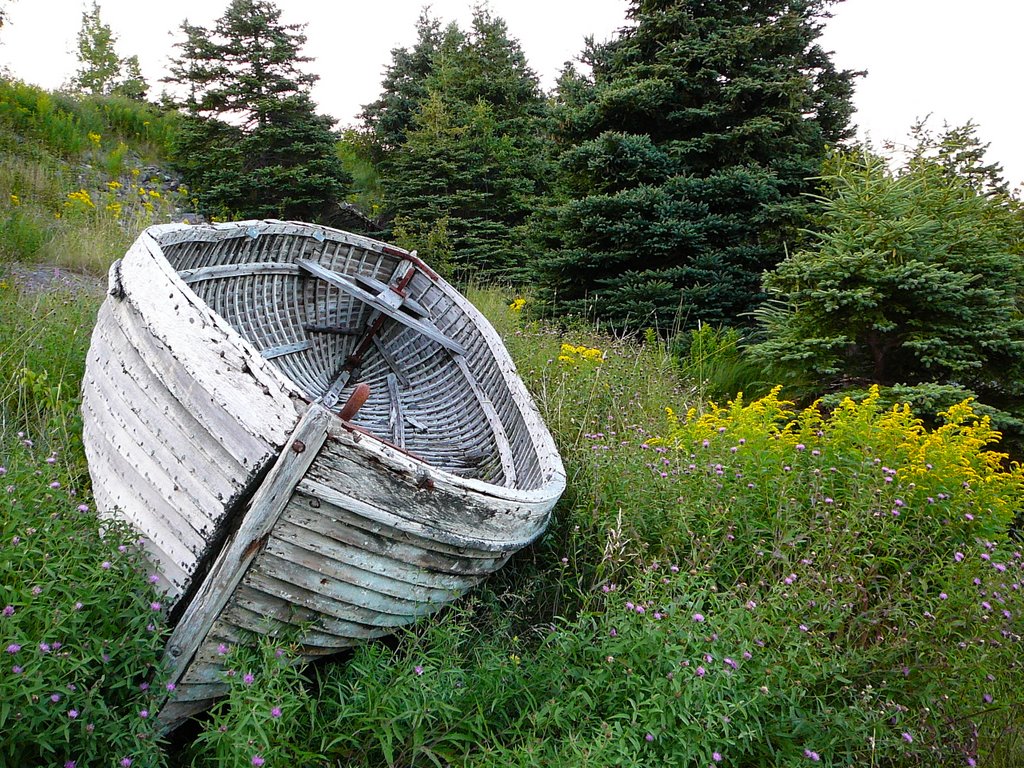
<point>217,367</point>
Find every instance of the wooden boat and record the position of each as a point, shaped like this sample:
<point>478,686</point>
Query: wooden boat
<point>210,404</point>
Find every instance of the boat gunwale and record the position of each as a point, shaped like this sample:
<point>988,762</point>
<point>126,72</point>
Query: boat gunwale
<point>551,468</point>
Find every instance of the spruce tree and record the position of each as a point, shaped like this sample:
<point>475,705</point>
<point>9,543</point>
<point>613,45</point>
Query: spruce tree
<point>101,72</point>
<point>687,154</point>
<point>911,277</point>
<point>464,173</point>
<point>252,144</point>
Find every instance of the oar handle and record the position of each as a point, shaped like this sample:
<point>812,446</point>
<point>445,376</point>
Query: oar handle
<point>355,402</point>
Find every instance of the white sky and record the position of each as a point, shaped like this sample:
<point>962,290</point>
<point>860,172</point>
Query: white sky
<point>952,59</point>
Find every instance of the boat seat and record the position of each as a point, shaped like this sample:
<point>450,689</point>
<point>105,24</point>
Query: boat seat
<point>388,302</point>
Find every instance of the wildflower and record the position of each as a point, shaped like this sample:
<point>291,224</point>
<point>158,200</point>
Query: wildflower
<point>257,760</point>
<point>37,590</point>
<point>649,737</point>
<point>700,671</point>
<point>153,578</point>
<point>800,446</point>
<point>171,686</point>
<point>143,713</point>
<point>44,647</point>
<point>83,507</point>
<point>8,610</point>
<point>804,628</point>
<point>418,669</point>
<point>612,632</point>
<point>811,755</point>
<point>94,138</point>
<point>222,649</point>
<point>69,764</point>
<point>105,565</point>
<point>55,698</point>
<point>17,670</point>
<point>730,662</point>
<point>13,648</point>
<point>248,678</point>
<point>908,738</point>
<point>275,712</point>
<point>15,200</point>
<point>987,698</point>
<point>716,757</point>
<point>747,655</point>
<point>72,713</point>
<point>959,556</point>
<point>698,617</point>
<point>943,596</point>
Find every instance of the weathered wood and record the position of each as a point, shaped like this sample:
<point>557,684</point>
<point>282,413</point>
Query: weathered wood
<point>268,503</point>
<point>508,464</point>
<point>396,419</point>
<point>221,271</point>
<point>380,304</point>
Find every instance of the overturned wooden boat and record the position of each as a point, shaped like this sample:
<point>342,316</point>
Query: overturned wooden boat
<point>212,425</point>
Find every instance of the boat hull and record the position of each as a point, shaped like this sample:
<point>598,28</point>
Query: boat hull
<point>214,434</point>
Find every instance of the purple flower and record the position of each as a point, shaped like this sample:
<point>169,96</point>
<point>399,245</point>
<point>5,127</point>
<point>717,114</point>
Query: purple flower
<point>154,606</point>
<point>275,712</point>
<point>716,757</point>
<point>257,760</point>
<point>799,447</point>
<point>69,764</point>
<point>105,565</point>
<point>700,671</point>
<point>78,606</point>
<point>9,610</point>
<point>72,713</point>
<point>804,628</point>
<point>55,698</point>
<point>153,578</point>
<point>13,648</point>
<point>987,698</point>
<point>649,737</point>
<point>418,669</point>
<point>222,649</point>
<point>171,686</point>
<point>729,662</point>
<point>810,755</point>
<point>17,670</point>
<point>698,617</point>
<point>248,678</point>
<point>37,590</point>
<point>943,596</point>
<point>125,762</point>
<point>144,713</point>
<point>83,507</point>
<point>908,738</point>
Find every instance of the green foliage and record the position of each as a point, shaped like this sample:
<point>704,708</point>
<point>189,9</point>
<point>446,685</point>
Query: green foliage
<point>101,71</point>
<point>266,714</point>
<point>911,277</point>
<point>716,360</point>
<point>80,626</point>
<point>686,154</point>
<point>355,150</point>
<point>459,131</point>
<point>253,145</point>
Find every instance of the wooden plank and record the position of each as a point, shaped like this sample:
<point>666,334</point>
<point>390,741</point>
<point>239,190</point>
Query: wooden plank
<point>396,420</point>
<point>286,349</point>
<point>218,271</point>
<point>230,566</point>
<point>382,288</point>
<point>393,364</point>
<point>343,283</point>
<point>508,462</point>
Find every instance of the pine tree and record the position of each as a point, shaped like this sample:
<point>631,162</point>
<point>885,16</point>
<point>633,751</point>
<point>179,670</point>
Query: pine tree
<point>253,144</point>
<point>465,170</point>
<point>404,88</point>
<point>687,155</point>
<point>912,277</point>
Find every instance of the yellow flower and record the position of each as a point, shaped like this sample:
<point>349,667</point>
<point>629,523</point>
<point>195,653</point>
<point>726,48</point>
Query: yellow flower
<point>82,196</point>
<point>114,184</point>
<point>517,304</point>
<point>114,208</point>
<point>154,193</point>
<point>94,138</point>
<point>15,200</point>
<point>136,172</point>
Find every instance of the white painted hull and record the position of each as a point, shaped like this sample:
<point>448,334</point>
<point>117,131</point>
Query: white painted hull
<point>259,507</point>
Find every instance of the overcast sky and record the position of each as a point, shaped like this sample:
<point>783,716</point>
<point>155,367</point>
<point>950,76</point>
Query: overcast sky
<point>952,59</point>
